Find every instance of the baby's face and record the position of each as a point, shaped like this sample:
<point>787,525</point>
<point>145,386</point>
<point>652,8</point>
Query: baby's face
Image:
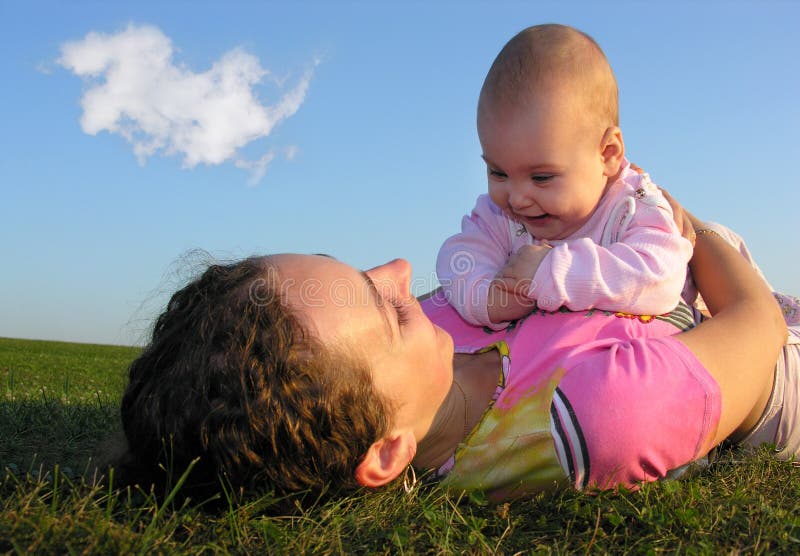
<point>544,163</point>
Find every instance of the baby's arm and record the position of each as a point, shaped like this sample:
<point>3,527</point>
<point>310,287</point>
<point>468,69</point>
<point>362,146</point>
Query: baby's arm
<point>468,261</point>
<point>642,273</point>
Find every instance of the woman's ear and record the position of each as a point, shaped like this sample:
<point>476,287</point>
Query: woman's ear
<point>612,149</point>
<point>386,459</point>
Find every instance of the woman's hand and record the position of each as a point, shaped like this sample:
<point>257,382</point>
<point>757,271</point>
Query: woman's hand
<point>687,223</point>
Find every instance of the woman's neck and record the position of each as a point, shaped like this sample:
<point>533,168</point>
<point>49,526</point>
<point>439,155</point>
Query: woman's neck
<point>474,382</point>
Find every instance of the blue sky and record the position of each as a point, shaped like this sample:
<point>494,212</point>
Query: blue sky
<point>361,118</point>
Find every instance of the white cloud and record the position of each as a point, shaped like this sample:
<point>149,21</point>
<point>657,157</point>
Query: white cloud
<point>259,167</point>
<point>45,68</point>
<point>137,90</point>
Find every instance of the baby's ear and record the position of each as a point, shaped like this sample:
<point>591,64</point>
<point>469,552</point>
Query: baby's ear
<point>612,149</point>
<point>386,459</point>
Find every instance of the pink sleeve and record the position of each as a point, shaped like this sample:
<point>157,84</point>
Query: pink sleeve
<point>468,261</point>
<point>634,413</point>
<point>643,273</point>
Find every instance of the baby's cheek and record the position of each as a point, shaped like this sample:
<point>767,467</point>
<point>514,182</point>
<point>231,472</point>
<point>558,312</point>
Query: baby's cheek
<point>497,196</point>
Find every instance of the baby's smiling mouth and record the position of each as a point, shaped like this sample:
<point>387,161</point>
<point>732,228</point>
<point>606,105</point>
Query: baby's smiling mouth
<point>537,218</point>
<point>522,218</point>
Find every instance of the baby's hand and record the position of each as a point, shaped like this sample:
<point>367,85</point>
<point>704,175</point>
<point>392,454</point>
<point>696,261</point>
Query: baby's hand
<point>518,273</point>
<point>508,294</point>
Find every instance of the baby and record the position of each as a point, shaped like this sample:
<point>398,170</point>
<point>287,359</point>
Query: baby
<point>568,221</point>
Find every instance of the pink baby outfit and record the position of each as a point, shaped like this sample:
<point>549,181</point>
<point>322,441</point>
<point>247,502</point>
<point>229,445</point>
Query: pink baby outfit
<point>592,398</point>
<point>629,256</point>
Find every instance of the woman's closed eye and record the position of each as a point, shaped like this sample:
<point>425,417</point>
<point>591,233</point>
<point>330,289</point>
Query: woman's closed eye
<point>403,313</point>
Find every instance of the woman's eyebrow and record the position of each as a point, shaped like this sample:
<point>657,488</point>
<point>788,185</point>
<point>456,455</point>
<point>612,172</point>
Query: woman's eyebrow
<point>379,301</point>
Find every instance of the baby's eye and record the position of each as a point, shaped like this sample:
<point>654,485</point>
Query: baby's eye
<point>542,178</point>
<point>496,173</point>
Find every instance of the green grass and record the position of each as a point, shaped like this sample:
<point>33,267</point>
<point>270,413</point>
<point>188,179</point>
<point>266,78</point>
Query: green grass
<point>57,400</point>
<point>59,404</point>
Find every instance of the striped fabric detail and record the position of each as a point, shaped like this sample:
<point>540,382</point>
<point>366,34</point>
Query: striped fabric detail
<point>682,317</point>
<point>570,443</point>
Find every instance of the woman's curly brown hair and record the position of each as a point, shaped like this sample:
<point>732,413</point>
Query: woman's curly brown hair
<point>232,378</point>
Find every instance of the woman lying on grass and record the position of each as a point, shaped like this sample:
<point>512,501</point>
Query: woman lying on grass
<point>293,373</point>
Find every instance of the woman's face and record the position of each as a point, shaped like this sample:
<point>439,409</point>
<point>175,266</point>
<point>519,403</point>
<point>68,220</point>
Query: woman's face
<point>374,314</point>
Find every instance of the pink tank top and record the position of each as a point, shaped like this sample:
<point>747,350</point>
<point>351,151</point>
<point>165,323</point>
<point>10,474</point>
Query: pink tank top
<point>553,365</point>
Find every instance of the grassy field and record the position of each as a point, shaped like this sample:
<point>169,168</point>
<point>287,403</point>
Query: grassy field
<point>59,405</point>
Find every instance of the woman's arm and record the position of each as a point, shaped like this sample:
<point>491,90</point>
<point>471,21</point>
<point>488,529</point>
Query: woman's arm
<point>740,345</point>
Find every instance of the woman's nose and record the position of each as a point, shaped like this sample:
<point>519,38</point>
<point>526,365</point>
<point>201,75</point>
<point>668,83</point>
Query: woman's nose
<point>393,279</point>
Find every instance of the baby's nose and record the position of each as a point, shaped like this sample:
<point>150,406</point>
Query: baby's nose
<point>519,196</point>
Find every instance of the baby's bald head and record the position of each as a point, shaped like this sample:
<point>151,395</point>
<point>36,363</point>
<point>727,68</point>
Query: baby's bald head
<point>553,59</point>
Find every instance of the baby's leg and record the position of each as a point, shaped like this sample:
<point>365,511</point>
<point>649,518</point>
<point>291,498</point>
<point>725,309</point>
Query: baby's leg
<point>790,305</point>
<point>738,243</point>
